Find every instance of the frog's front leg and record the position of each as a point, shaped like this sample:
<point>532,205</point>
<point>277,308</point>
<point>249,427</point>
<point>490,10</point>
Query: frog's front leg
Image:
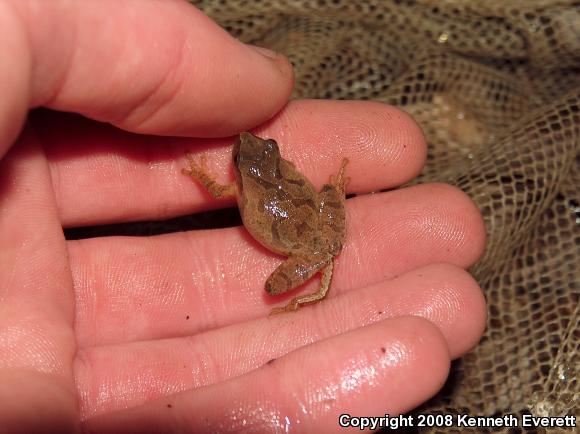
<point>199,172</point>
<point>294,272</point>
<point>340,181</point>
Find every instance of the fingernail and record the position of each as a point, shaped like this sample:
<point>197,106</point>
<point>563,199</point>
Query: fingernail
<point>264,51</point>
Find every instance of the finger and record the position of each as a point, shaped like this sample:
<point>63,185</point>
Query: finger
<point>389,367</point>
<point>14,77</point>
<point>145,66</point>
<point>37,343</point>
<point>117,176</point>
<point>136,289</point>
<point>445,295</point>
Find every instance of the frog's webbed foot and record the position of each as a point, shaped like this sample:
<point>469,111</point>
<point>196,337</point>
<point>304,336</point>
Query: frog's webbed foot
<point>340,181</point>
<point>199,172</point>
<point>296,302</point>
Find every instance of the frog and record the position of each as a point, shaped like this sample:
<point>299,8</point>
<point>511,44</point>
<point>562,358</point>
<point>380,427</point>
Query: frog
<point>284,212</point>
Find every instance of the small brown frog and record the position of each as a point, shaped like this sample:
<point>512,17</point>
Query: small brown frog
<point>282,210</point>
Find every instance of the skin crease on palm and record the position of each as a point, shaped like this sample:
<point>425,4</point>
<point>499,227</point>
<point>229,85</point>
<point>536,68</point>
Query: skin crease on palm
<point>170,333</point>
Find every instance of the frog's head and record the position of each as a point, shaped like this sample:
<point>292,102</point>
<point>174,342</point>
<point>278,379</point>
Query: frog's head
<point>252,154</point>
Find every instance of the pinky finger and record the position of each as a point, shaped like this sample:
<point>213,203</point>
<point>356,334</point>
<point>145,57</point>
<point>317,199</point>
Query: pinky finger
<point>388,367</point>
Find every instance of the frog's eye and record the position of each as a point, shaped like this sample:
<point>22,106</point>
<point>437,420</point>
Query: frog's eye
<point>271,144</point>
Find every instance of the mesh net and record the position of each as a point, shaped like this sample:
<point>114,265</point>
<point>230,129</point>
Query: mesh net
<point>495,86</point>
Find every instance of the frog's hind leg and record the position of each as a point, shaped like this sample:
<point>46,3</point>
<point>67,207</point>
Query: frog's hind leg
<point>296,302</point>
<point>294,271</point>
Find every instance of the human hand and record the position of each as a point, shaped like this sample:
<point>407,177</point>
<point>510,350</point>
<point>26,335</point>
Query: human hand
<point>174,327</point>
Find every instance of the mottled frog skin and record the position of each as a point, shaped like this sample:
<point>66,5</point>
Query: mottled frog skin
<point>282,210</point>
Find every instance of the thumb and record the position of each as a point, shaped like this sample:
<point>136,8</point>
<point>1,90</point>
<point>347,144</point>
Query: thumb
<point>142,65</point>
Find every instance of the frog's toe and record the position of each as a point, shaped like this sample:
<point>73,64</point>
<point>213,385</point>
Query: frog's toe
<point>290,307</point>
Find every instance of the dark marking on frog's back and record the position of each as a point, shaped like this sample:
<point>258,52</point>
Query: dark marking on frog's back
<point>298,202</point>
<point>335,205</point>
<point>302,228</point>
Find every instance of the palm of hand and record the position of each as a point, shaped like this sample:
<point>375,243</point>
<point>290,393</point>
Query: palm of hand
<point>118,322</point>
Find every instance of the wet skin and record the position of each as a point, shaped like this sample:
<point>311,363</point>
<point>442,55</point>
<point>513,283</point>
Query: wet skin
<point>282,210</point>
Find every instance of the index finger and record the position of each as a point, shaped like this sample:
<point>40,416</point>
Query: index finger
<point>119,177</point>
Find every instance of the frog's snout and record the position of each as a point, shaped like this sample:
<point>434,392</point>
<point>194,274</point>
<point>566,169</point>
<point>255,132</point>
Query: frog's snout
<point>236,150</point>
